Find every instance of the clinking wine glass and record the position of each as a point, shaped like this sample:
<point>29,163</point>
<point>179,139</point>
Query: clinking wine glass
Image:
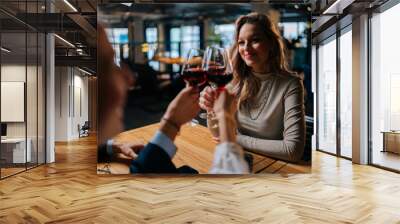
<point>218,68</point>
<point>193,72</point>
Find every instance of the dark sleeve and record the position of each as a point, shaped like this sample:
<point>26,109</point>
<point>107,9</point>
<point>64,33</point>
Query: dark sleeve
<point>102,155</point>
<point>152,159</point>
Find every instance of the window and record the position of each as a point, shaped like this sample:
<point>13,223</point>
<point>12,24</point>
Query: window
<point>22,87</point>
<point>190,38</point>
<point>118,37</point>
<point>346,94</point>
<point>294,32</point>
<point>385,86</point>
<point>182,39</point>
<point>151,39</point>
<point>226,33</point>
<point>175,36</point>
<point>327,96</point>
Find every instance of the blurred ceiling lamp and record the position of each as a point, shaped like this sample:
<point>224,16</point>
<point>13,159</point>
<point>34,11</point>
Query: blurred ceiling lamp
<point>65,41</point>
<point>127,4</point>
<point>79,51</point>
<point>5,50</point>
<point>70,5</point>
<point>145,47</point>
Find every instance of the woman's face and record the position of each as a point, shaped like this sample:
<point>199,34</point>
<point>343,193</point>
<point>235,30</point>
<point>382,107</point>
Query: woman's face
<point>253,47</point>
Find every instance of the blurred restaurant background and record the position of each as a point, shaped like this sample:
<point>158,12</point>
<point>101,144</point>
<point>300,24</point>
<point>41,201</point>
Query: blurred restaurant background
<point>156,38</point>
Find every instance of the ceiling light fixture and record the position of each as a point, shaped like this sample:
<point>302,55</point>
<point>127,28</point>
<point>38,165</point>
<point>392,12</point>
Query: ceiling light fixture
<point>84,71</point>
<point>5,50</point>
<point>127,4</point>
<point>70,5</point>
<point>337,7</point>
<point>65,41</point>
<point>329,9</point>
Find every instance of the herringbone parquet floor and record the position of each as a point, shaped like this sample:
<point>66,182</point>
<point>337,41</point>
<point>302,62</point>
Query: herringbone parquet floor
<point>69,191</point>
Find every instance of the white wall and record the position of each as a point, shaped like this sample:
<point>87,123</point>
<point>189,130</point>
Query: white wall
<point>71,94</point>
<point>33,126</point>
<point>61,103</point>
<point>16,73</point>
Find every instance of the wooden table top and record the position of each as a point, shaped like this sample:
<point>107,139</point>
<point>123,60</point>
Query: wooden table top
<point>196,149</point>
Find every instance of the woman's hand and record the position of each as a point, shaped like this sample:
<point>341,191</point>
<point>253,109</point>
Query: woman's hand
<point>225,108</point>
<point>207,98</point>
<point>226,104</point>
<point>184,107</point>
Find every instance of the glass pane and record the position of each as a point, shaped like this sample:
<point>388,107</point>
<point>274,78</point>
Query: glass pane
<point>327,97</point>
<point>117,36</point>
<point>151,39</point>
<point>190,38</point>
<point>225,32</point>
<point>31,99</point>
<point>175,36</point>
<point>41,99</point>
<point>346,94</point>
<point>385,84</point>
<point>13,87</point>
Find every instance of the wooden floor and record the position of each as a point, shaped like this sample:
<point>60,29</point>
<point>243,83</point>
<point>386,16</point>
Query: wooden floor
<point>10,171</point>
<point>69,191</point>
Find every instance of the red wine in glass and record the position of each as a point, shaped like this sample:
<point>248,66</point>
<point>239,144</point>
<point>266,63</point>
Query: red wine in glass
<point>194,76</point>
<point>218,77</point>
<point>193,72</point>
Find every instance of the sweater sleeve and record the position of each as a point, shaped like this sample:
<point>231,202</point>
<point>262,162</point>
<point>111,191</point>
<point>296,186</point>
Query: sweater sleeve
<point>229,159</point>
<point>291,147</point>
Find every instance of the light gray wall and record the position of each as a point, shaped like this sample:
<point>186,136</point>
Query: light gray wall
<point>70,84</point>
<point>360,90</point>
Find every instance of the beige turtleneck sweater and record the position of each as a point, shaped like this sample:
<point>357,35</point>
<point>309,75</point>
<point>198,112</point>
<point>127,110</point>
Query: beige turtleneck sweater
<point>275,125</point>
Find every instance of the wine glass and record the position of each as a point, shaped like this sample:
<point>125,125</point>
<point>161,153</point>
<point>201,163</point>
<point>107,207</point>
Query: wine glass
<point>217,67</point>
<point>193,72</point>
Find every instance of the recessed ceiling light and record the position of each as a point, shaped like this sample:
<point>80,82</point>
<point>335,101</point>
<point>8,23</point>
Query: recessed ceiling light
<point>5,50</point>
<point>65,41</point>
<point>337,7</point>
<point>70,5</point>
<point>127,4</point>
<point>84,71</point>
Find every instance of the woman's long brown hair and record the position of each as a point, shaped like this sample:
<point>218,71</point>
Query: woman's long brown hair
<point>245,84</point>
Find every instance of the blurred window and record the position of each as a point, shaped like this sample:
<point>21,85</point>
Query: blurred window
<point>225,32</point>
<point>152,44</point>
<point>175,37</point>
<point>294,32</point>
<point>117,37</point>
<point>190,39</point>
<point>182,39</point>
<point>327,96</point>
<point>385,85</point>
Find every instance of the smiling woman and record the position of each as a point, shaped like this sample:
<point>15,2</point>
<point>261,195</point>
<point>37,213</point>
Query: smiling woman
<point>270,97</point>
